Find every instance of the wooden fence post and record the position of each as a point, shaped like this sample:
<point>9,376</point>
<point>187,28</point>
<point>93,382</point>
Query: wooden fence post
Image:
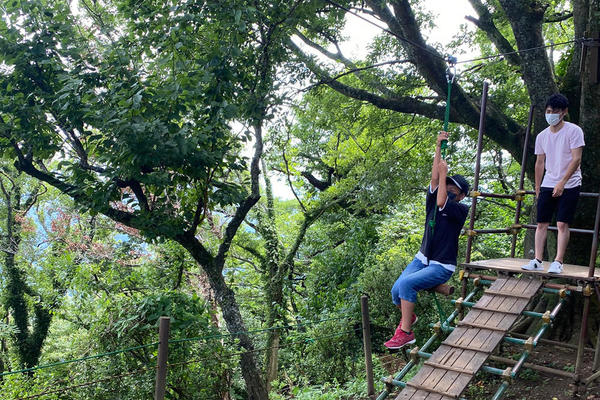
<point>163,355</point>
<point>364,306</point>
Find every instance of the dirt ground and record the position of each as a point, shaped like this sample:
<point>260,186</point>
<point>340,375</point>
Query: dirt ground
<point>530,384</point>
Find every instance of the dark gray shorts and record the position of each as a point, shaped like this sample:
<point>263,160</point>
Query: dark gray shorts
<point>564,205</point>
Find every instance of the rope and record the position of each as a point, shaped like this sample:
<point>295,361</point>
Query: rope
<point>218,336</point>
<point>56,364</point>
<point>306,340</point>
<point>34,396</point>
<point>288,344</point>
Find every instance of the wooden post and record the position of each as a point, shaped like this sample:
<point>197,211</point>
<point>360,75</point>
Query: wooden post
<point>163,355</point>
<point>364,307</point>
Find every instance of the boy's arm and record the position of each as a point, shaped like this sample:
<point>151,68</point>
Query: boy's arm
<point>436,159</point>
<point>571,168</point>
<point>539,172</point>
<point>442,173</point>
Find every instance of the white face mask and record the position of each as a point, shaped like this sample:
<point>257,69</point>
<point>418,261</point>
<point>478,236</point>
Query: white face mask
<point>553,119</point>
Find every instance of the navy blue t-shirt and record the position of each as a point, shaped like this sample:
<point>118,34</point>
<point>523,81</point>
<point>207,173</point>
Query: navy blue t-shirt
<point>443,245</point>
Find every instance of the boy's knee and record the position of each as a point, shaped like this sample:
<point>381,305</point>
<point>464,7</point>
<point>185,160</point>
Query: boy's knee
<point>562,226</point>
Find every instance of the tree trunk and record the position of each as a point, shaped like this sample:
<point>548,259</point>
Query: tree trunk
<point>28,341</point>
<point>225,297</point>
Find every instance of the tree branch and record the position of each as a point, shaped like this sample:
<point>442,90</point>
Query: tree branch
<point>558,17</point>
<point>486,24</point>
<point>401,104</point>
<point>248,203</point>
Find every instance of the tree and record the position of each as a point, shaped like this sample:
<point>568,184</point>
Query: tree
<point>128,111</point>
<point>416,83</point>
<point>19,195</point>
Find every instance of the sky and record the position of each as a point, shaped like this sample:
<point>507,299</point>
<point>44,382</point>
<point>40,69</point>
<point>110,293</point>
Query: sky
<point>448,16</point>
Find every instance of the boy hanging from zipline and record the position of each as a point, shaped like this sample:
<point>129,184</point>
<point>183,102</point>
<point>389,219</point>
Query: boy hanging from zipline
<point>436,260</point>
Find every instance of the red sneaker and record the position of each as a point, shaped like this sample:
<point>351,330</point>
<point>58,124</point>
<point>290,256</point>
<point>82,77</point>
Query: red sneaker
<point>400,340</point>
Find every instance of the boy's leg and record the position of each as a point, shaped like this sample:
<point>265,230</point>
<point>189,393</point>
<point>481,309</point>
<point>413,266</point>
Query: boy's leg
<point>426,278</point>
<point>567,203</point>
<point>562,240</point>
<point>541,233</point>
<point>415,266</point>
<point>545,209</point>
<point>408,308</point>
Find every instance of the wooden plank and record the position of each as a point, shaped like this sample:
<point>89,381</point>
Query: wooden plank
<point>483,318</point>
<point>434,396</point>
<point>448,368</point>
<point>510,285</point>
<point>421,387</point>
<point>463,361</point>
<point>459,384</point>
<point>467,337</point>
<point>519,305</point>
<point>420,395</point>
<point>508,321</point>
<point>442,385</point>
<point>497,293</point>
<point>448,355</point>
<point>476,307</point>
<point>507,305</point>
<point>477,361</point>
<point>570,271</point>
<point>498,283</point>
<point>424,373</point>
<point>473,325</point>
<point>480,341</point>
<point>406,393</point>
<point>484,301</point>
<point>534,286</point>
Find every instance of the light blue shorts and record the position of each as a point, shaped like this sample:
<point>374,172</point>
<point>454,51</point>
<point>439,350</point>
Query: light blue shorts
<point>416,277</point>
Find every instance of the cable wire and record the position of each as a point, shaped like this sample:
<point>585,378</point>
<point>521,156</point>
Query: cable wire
<point>197,360</point>
<point>90,383</point>
<point>55,364</point>
<point>433,53</point>
<point>217,336</point>
<point>444,58</point>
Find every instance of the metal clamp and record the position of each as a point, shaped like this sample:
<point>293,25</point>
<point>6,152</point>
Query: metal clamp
<point>514,229</point>
<point>414,354</point>
<point>474,193</point>
<point>437,327</point>
<point>546,317</point>
<point>529,345</point>
<point>507,375</point>
<point>477,282</point>
<point>470,232</point>
<point>562,293</point>
<point>459,303</point>
<point>587,290</point>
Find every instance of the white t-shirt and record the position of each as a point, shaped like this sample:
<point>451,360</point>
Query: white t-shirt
<point>557,148</point>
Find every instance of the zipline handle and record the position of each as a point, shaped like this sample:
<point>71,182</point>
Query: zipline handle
<point>450,75</point>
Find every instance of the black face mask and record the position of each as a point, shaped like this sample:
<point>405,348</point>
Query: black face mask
<point>451,196</point>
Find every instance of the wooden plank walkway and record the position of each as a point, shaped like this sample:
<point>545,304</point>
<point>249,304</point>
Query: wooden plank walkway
<point>570,271</point>
<point>452,366</point>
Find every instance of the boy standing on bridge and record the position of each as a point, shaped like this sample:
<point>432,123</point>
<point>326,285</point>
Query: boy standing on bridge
<point>436,260</point>
<point>558,149</point>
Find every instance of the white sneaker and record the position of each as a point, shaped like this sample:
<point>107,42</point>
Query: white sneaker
<point>533,265</point>
<point>555,268</point>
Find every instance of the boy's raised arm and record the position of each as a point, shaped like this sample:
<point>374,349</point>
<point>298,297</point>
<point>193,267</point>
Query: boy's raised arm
<point>435,175</point>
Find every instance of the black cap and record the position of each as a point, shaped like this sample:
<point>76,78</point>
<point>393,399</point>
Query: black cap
<point>460,182</point>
